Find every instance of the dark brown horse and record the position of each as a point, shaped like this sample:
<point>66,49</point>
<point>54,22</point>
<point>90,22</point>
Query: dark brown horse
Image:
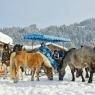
<point>79,58</point>
<point>5,59</point>
<point>6,55</point>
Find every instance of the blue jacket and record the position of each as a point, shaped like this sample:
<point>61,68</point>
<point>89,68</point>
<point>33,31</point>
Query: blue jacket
<point>48,53</point>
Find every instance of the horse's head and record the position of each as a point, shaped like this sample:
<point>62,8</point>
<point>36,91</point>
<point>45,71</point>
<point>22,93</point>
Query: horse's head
<point>49,72</point>
<point>6,47</point>
<point>17,48</point>
<point>61,69</point>
<point>94,49</point>
<point>61,73</point>
<point>65,61</point>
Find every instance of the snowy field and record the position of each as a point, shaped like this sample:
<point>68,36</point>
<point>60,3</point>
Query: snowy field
<point>46,87</point>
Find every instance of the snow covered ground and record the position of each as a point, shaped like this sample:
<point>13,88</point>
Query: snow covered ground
<point>46,87</point>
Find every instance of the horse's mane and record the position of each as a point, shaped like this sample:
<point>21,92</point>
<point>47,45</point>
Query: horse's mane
<point>45,59</point>
<point>17,48</point>
<point>66,52</point>
<point>32,51</point>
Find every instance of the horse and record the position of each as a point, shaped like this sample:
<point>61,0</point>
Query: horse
<point>7,52</point>
<point>83,57</point>
<point>6,55</point>
<point>5,60</point>
<point>78,71</point>
<point>33,61</point>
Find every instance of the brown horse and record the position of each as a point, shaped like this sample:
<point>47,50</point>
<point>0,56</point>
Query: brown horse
<point>79,58</point>
<point>33,61</point>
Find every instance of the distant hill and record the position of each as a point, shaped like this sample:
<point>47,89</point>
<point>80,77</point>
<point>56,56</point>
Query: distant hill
<point>82,33</point>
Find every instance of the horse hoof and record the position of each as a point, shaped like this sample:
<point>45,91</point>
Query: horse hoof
<point>83,80</point>
<point>73,80</point>
<point>21,78</point>
<point>51,79</point>
<point>38,80</point>
<point>15,81</point>
<point>4,78</point>
<point>61,79</point>
<point>32,79</point>
<point>89,81</point>
<point>86,76</point>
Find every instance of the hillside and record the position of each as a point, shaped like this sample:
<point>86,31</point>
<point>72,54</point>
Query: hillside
<point>80,33</point>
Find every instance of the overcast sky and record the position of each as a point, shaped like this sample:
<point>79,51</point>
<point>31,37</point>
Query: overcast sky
<point>44,12</point>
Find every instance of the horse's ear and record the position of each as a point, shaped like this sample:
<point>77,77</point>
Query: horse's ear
<point>21,46</point>
<point>82,46</point>
<point>74,48</point>
<point>94,48</point>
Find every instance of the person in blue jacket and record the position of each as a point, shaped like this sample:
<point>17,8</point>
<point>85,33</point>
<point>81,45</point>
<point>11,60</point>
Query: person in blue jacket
<point>48,53</point>
<point>44,49</point>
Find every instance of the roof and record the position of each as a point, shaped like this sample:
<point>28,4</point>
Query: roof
<point>5,38</point>
<point>47,38</point>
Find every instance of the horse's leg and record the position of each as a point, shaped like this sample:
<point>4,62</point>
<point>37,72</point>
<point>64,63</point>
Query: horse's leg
<point>62,70</point>
<point>37,73</point>
<point>5,72</point>
<point>92,70</point>
<point>73,76</point>
<point>32,74</point>
<point>12,66</point>
<point>27,72</point>
<point>87,75</point>
<point>12,71</point>
<point>91,76</point>
<point>21,73</point>
<point>81,72</point>
<point>16,74</point>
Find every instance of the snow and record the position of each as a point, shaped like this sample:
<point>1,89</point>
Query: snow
<point>5,38</point>
<point>46,87</point>
<point>58,46</point>
<point>37,46</point>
